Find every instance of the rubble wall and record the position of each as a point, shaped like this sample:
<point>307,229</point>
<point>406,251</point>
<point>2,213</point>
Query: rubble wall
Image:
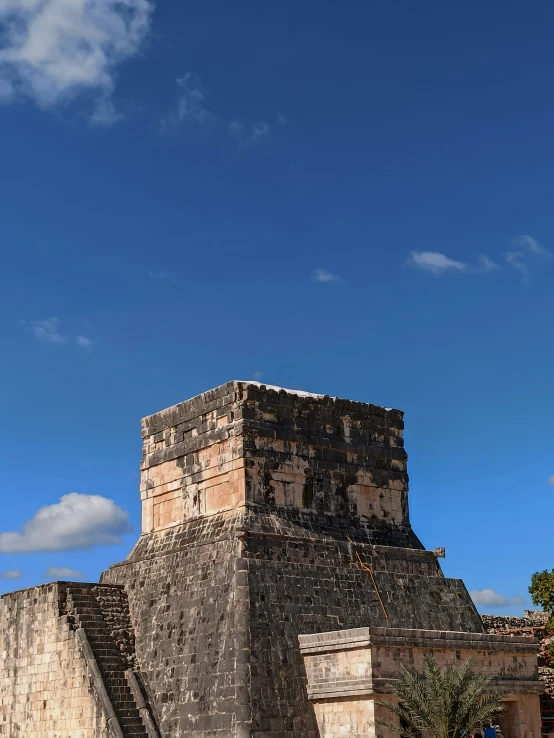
<point>45,688</point>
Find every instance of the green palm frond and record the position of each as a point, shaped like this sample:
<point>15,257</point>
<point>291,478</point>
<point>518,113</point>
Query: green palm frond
<point>441,702</point>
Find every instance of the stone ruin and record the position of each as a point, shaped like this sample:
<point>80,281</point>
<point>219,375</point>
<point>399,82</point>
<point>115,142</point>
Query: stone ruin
<point>534,624</point>
<point>275,590</point>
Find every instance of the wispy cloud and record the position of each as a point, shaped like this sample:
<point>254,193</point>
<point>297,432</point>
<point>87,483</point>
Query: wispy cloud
<point>320,275</point>
<point>259,130</point>
<point>435,262</point>
<point>257,376</point>
<point>490,598</point>
<point>282,120</point>
<point>11,574</point>
<point>248,136</point>
<point>190,107</point>
<point>84,342</point>
<point>48,331</point>
<point>551,480</point>
<point>62,573</point>
<point>160,275</point>
<point>526,253</point>
<point>486,264</point>
<point>54,50</point>
<point>438,264</point>
<point>76,521</point>
<point>533,247</point>
<point>105,113</point>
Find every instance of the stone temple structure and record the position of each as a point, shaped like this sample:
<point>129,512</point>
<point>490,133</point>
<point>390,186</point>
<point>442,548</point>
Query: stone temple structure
<point>275,590</point>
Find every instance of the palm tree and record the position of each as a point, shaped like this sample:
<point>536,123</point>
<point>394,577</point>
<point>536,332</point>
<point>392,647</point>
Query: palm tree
<point>442,703</point>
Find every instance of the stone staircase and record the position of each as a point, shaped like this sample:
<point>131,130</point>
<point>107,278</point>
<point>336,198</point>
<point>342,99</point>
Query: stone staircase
<point>87,612</point>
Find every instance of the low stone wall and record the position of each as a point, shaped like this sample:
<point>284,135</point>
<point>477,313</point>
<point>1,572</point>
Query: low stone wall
<point>45,687</point>
<point>347,671</point>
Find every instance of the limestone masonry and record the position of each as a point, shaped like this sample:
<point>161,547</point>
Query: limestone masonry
<point>275,589</point>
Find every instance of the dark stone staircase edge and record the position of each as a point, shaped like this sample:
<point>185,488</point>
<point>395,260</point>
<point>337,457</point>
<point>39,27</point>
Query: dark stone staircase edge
<point>98,682</point>
<point>133,679</point>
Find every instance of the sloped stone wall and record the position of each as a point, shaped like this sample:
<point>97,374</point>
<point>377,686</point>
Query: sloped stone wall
<point>45,688</point>
<point>188,604</point>
<point>218,604</point>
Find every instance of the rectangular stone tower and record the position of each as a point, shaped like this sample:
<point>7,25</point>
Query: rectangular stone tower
<point>269,513</point>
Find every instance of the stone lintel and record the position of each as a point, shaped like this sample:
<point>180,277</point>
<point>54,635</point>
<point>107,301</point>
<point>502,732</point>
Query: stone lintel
<point>376,688</point>
<point>363,663</point>
<point>405,637</point>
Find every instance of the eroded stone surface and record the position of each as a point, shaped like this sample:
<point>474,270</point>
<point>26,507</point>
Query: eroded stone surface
<point>250,497</point>
<point>349,670</point>
<point>45,687</point>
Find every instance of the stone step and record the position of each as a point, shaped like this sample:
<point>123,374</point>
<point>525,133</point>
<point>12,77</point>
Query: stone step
<point>104,647</point>
<point>125,715</point>
<point>116,681</point>
<point>132,723</point>
<point>123,694</point>
<point>88,613</point>
<point>84,601</point>
<point>113,684</point>
<point>109,657</point>
<point>94,618</point>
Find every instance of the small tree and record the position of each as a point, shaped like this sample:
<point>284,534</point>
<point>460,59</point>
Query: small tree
<point>542,592</point>
<point>442,703</point>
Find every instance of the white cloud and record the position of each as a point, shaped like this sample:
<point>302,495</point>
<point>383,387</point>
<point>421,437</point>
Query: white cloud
<point>486,264</point>
<point>435,262</point>
<point>492,599</point>
<point>76,521</point>
<point>236,127</point>
<point>190,106</point>
<point>259,130</point>
<point>320,275</point>
<point>62,573</point>
<point>54,50</point>
<point>84,342</point>
<point>533,247</point>
<point>6,91</point>
<point>518,261</point>
<point>105,113</point>
<point>527,252</point>
<point>248,137</point>
<point>47,330</point>
<point>282,119</point>
<point>160,275</point>
<point>11,574</point>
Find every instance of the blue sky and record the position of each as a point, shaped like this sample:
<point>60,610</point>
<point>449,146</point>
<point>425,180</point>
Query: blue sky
<point>353,200</point>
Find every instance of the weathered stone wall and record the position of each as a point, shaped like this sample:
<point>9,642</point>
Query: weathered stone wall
<point>324,454</point>
<point>192,462</point>
<point>114,605</point>
<point>532,623</point>
<point>368,659</point>
<point>348,670</point>
<point>250,497</point>
<point>245,443</point>
<point>188,603</point>
<point>307,586</point>
<point>45,689</point>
